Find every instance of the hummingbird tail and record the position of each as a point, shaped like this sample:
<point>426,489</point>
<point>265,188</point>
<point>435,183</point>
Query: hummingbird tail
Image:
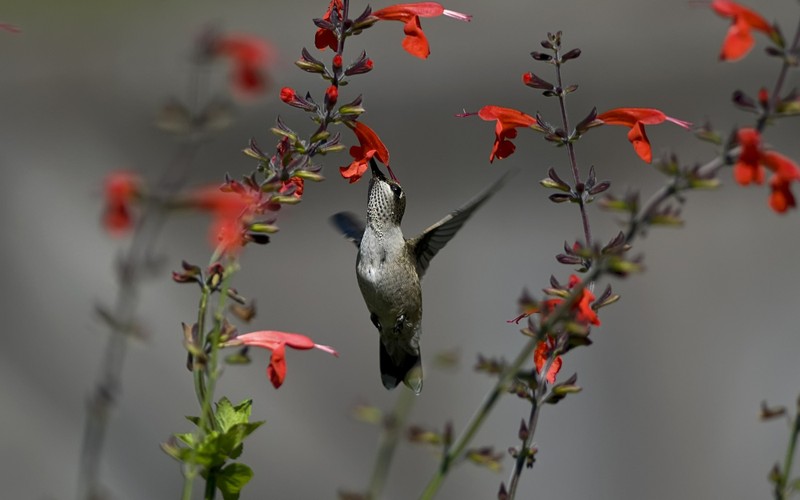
<point>407,369</point>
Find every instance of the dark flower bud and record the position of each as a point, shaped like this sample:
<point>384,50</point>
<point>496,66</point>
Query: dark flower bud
<point>572,54</point>
<point>535,82</point>
<point>540,56</point>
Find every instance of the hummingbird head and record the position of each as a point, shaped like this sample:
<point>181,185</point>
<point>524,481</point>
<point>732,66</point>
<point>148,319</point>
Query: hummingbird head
<point>386,202</point>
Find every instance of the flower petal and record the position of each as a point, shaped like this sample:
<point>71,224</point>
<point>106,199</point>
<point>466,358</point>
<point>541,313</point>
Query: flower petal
<point>276,370</point>
<point>641,144</point>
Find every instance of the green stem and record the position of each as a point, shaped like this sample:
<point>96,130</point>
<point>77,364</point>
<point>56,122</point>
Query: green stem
<point>395,422</point>
<point>211,484</point>
<point>205,374</point>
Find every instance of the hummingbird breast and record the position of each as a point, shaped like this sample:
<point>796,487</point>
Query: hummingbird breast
<point>388,279</point>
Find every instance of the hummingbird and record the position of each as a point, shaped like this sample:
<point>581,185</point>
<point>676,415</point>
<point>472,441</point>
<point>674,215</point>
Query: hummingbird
<point>390,267</point>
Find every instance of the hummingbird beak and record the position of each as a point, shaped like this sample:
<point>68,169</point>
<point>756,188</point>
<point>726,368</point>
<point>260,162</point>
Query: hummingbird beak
<point>377,173</point>
<point>373,165</point>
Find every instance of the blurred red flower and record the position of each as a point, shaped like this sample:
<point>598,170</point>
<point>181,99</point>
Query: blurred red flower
<point>277,342</point>
<point>120,189</point>
<point>415,42</point>
<point>251,57</point>
<point>636,119</point>
<point>750,168</point>
<point>739,39</point>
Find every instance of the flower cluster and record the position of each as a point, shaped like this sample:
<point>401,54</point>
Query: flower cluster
<point>332,32</point>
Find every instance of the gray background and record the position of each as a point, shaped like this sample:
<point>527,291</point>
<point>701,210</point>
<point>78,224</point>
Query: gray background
<point>678,368</point>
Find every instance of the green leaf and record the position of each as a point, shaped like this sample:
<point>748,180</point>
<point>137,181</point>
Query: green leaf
<point>231,442</point>
<point>187,438</point>
<point>229,415</point>
<point>194,420</point>
<point>232,478</point>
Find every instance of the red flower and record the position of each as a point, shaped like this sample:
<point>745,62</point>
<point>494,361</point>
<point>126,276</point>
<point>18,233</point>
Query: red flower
<point>233,210</point>
<point>337,61</point>
<point>369,145</point>
<point>120,189</point>
<point>636,119</point>
<point>277,342</point>
<point>781,198</point>
<point>747,168</point>
<point>294,187</point>
<point>324,37</point>
<point>583,306</point>
<point>508,120</point>
<point>543,351</point>
<point>750,168</point>
<point>739,40</point>
<point>415,42</point>
<point>250,56</point>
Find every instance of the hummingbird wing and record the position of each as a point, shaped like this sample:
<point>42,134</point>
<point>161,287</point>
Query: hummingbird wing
<point>351,225</point>
<point>426,245</point>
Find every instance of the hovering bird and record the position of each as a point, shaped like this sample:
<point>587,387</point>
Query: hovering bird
<point>389,268</point>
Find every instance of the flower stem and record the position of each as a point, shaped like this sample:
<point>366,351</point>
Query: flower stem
<point>205,376</point>
<point>573,162</point>
<point>393,427</point>
<point>500,387</point>
<point>522,457</point>
<point>780,485</point>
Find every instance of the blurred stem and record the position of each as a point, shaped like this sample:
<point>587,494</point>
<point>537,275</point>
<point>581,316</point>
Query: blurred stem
<point>781,492</point>
<point>775,97</point>
<point>393,426</point>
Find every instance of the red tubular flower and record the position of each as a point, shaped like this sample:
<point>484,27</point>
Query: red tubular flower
<point>786,171</point>
<point>583,306</point>
<point>747,168</point>
<point>508,120</point>
<point>120,189</point>
<point>250,56</point>
<point>369,145</point>
<point>324,37</point>
<point>277,343</point>
<point>543,350</point>
<point>232,212</point>
<point>294,187</point>
<point>739,39</point>
<point>636,119</point>
<point>750,168</point>
<point>415,42</point>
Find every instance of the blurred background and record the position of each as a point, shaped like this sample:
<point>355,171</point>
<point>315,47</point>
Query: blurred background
<point>672,384</point>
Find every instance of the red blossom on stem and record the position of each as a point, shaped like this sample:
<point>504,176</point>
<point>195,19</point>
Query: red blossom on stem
<point>749,168</point>
<point>250,57</point>
<point>508,120</point>
<point>739,39</point>
<point>325,37</point>
<point>277,342</point>
<point>232,210</point>
<point>636,119</point>
<point>543,351</point>
<point>120,189</point>
<point>415,42</point>
<point>369,145</point>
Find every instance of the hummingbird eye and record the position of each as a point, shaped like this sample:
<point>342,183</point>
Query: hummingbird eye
<point>398,192</point>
